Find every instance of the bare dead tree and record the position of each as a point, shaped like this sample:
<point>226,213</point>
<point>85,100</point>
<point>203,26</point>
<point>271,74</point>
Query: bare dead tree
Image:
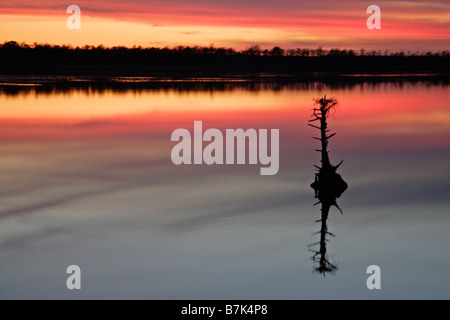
<point>328,185</point>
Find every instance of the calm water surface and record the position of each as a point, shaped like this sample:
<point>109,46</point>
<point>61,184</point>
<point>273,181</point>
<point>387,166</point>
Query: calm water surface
<point>87,179</point>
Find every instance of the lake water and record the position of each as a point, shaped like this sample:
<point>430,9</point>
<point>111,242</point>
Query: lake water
<point>87,179</point>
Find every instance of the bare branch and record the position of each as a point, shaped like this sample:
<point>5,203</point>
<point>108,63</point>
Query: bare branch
<point>313,126</point>
<point>338,208</point>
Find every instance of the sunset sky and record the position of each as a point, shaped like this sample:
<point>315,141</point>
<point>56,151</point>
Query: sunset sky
<point>405,25</point>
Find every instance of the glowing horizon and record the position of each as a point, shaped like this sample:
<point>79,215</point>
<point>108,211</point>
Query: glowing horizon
<point>408,26</point>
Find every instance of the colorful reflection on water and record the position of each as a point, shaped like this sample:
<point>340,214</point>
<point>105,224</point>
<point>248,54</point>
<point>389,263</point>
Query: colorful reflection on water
<point>87,179</point>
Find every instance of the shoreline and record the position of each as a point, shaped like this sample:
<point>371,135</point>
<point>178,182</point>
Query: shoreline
<point>56,80</point>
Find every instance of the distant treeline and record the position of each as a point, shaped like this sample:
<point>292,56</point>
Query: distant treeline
<point>23,58</point>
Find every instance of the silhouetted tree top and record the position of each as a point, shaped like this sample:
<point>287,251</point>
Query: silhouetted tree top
<point>20,58</point>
